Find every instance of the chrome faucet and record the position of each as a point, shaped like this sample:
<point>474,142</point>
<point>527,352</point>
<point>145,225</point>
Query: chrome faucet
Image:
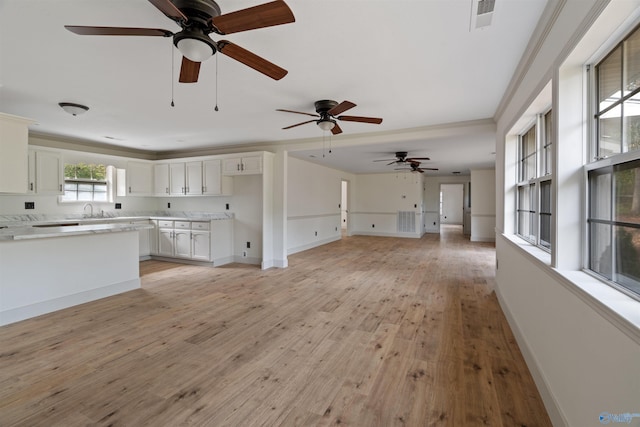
<point>84,209</point>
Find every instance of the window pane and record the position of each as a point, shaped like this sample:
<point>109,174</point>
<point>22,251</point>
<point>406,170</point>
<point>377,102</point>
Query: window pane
<point>610,79</point>
<point>69,195</point>
<point>523,210</point>
<point>632,63</point>
<point>85,196</point>
<point>83,171</point>
<point>600,196</point>
<point>610,126</point>
<point>545,214</point>
<point>547,143</point>
<point>628,258</point>
<point>69,171</point>
<point>600,257</point>
<point>99,197</point>
<point>631,123</point>
<point>627,197</point>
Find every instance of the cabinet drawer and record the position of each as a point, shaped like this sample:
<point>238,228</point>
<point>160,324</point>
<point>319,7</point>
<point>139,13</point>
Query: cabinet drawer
<point>165,224</point>
<point>184,225</point>
<point>200,226</point>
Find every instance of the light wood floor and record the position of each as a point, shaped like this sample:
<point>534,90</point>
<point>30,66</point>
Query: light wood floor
<point>366,331</point>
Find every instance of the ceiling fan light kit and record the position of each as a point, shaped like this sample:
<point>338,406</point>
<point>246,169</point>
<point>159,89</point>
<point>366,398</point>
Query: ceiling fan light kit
<point>326,124</point>
<point>195,46</point>
<point>73,108</point>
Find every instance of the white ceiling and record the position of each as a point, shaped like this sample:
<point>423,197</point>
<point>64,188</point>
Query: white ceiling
<point>415,63</point>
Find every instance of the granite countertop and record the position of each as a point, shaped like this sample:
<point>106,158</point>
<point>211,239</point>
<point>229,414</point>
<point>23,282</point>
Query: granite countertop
<point>12,221</point>
<point>31,232</point>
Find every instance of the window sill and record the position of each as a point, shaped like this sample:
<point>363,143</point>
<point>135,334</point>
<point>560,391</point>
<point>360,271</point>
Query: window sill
<point>619,309</point>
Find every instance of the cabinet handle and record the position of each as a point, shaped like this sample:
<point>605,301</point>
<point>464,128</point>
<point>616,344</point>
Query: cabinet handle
<point>129,189</point>
<point>238,166</point>
<point>60,187</point>
<point>167,189</point>
<point>31,186</point>
<point>241,166</point>
<point>204,189</point>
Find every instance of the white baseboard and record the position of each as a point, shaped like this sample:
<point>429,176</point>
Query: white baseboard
<point>312,245</point>
<point>384,234</point>
<point>32,310</point>
<point>482,239</point>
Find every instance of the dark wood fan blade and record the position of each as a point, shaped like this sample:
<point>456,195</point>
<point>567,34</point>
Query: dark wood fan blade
<point>117,31</point>
<point>373,120</point>
<point>430,169</point>
<point>385,160</point>
<point>412,159</point>
<point>261,16</point>
<point>336,130</point>
<point>298,112</point>
<point>251,60</point>
<point>169,9</point>
<point>189,71</point>
<point>341,108</point>
<point>299,124</point>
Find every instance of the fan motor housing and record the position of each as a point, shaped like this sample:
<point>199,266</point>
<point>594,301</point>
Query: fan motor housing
<point>200,11</point>
<point>324,105</point>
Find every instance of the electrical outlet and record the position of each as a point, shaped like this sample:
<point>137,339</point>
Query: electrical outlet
<point>168,205</point>
<point>29,205</point>
<point>316,233</point>
<point>248,245</point>
<point>244,254</point>
<point>373,226</point>
<point>118,205</point>
<point>227,205</point>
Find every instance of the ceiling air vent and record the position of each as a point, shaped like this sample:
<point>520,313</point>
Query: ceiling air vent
<point>481,13</point>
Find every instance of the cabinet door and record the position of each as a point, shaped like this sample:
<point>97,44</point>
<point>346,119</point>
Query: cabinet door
<point>49,172</point>
<point>165,242</point>
<point>194,178</point>
<point>144,246</point>
<point>182,243</point>
<point>176,174</point>
<point>153,237</point>
<point>14,152</point>
<point>161,179</point>
<point>251,165</point>
<point>139,178</point>
<point>200,245</point>
<point>231,166</point>
<point>211,177</point>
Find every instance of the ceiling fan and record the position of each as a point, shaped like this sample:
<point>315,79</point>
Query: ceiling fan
<point>401,158</point>
<point>198,18</point>
<point>327,112</point>
<point>415,167</point>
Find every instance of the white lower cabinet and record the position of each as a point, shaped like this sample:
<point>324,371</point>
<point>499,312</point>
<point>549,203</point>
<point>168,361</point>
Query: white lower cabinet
<point>184,239</point>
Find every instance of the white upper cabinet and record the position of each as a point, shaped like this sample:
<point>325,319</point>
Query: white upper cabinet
<point>46,172</point>
<point>161,179</point>
<point>243,165</point>
<point>139,178</point>
<point>177,179</point>
<point>14,154</point>
<point>213,183</point>
<point>193,174</point>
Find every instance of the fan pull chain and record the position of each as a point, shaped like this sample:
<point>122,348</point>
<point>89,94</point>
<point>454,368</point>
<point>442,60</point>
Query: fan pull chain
<point>329,143</point>
<point>173,63</point>
<point>216,107</point>
<point>323,136</point>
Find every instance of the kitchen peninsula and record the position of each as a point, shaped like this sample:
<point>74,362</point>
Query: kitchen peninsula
<point>66,265</point>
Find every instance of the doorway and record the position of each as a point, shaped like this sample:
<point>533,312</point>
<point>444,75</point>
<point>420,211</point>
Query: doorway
<point>451,204</point>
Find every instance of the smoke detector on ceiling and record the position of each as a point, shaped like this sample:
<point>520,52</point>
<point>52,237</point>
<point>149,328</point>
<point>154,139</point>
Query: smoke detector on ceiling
<point>481,13</point>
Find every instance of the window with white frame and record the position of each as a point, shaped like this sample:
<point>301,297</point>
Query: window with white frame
<point>85,182</point>
<point>533,197</point>
<point>614,177</point>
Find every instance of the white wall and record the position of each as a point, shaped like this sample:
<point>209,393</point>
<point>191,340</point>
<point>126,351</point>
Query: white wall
<point>376,200</point>
<point>582,354</point>
<point>483,205</point>
<point>313,204</point>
